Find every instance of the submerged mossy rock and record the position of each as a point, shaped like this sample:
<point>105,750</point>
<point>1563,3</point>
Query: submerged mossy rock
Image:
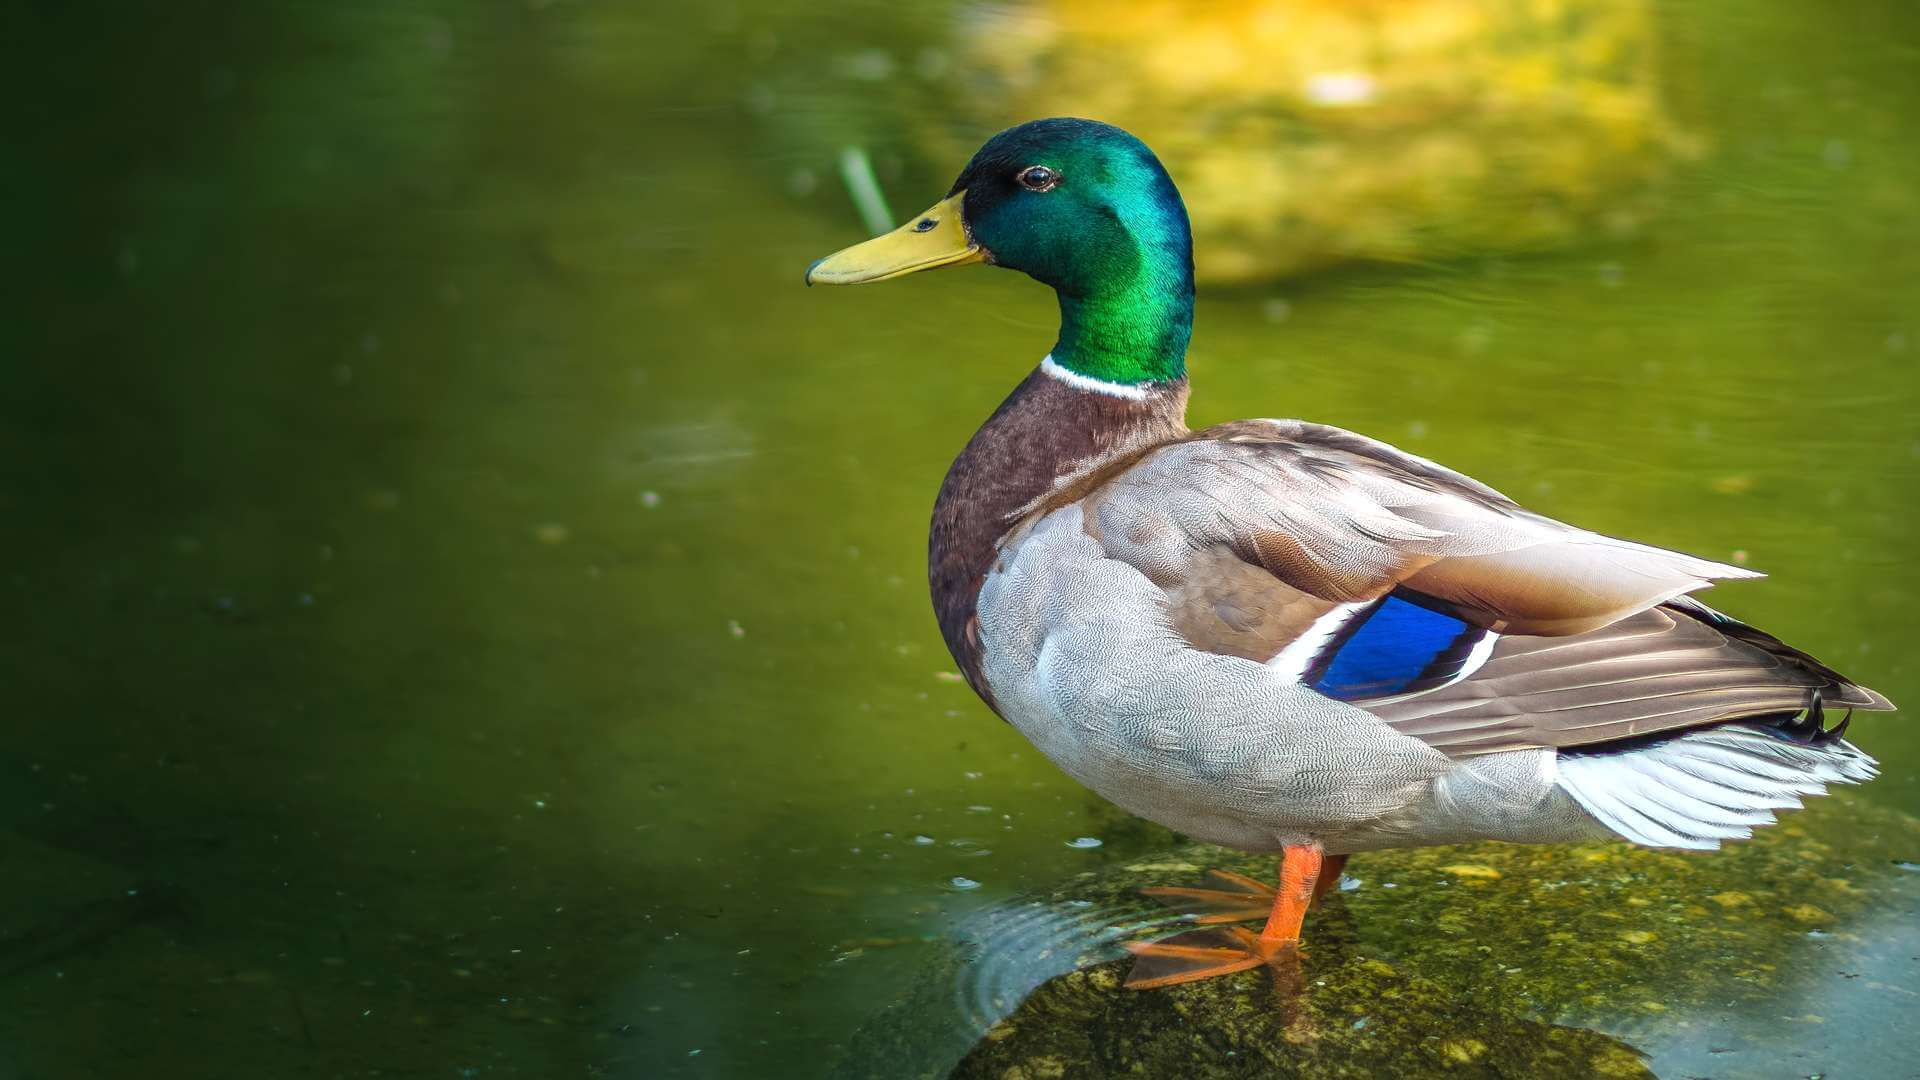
<point>1493,960</point>
<point>1308,132</point>
<point>1358,1020</point>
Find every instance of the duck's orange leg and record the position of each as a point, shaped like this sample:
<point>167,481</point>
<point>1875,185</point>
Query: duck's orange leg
<point>1202,954</point>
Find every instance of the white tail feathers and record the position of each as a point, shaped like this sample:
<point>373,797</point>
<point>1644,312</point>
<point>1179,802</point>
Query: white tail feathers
<point>1695,790</point>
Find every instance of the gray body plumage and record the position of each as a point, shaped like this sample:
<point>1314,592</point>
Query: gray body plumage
<point>1083,661</point>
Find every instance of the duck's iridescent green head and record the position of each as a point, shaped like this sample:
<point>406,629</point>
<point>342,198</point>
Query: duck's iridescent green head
<point>1080,205</point>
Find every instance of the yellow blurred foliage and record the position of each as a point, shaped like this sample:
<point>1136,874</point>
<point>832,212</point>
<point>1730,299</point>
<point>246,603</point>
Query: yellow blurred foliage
<point>1307,132</point>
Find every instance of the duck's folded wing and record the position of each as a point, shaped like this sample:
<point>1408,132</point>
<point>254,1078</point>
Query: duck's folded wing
<point>1343,519</point>
<point>1434,601</point>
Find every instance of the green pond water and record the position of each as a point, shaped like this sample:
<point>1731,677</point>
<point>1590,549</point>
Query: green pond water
<point>466,598</point>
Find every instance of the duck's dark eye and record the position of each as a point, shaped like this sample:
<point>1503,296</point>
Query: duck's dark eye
<point>1038,178</point>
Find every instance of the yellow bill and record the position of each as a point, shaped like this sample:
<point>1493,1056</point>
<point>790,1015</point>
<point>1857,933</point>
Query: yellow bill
<point>935,238</point>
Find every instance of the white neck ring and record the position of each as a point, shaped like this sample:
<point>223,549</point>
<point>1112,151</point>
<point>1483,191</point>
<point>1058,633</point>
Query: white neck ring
<point>1129,391</point>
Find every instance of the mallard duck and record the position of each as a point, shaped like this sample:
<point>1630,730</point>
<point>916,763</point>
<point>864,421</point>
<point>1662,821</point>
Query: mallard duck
<point>1280,636</point>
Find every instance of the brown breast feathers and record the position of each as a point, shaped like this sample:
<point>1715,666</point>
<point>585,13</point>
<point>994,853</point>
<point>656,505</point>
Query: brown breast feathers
<point>1044,436</point>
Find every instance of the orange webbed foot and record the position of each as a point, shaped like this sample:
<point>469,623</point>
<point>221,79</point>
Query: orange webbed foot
<point>1241,899</point>
<point>1202,954</point>
<point>1223,950</point>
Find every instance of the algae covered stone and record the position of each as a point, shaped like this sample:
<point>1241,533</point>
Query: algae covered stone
<point>1490,960</point>
<point>1359,1020</point>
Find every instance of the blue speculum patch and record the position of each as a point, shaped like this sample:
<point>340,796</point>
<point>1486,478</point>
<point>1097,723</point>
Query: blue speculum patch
<point>1396,646</point>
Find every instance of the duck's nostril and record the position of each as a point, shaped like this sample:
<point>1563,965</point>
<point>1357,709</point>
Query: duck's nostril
<point>924,224</point>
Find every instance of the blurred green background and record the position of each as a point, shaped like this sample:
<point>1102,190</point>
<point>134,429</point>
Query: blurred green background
<point>467,598</point>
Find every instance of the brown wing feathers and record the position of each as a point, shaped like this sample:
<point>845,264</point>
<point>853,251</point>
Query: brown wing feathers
<point>1675,666</point>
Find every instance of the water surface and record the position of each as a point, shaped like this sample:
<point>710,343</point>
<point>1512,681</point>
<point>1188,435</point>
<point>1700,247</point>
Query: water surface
<point>468,599</point>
